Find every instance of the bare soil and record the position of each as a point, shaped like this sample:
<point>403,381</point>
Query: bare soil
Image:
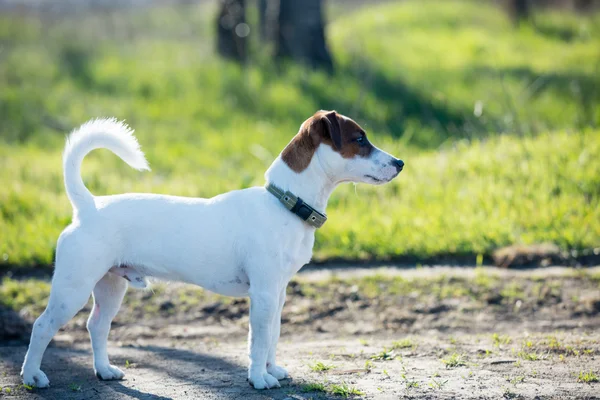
<point>426,333</point>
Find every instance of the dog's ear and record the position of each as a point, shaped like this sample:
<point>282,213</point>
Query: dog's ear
<point>333,129</point>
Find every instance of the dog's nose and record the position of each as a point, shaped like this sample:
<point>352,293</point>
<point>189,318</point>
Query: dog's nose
<point>399,164</point>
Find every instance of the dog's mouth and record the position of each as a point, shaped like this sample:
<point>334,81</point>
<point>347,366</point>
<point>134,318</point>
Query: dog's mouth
<point>374,179</point>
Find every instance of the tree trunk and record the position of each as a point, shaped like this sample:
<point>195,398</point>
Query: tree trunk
<point>301,34</point>
<point>584,5</point>
<point>519,10</point>
<point>267,18</point>
<point>232,30</point>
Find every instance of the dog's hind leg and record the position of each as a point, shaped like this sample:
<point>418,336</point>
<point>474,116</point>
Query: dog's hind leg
<point>71,288</point>
<point>63,304</point>
<point>108,295</point>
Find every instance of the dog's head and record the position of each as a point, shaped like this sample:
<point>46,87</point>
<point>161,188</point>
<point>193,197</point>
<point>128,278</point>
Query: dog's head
<point>341,146</point>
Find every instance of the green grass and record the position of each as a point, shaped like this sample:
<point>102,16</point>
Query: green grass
<point>384,355</point>
<point>74,387</point>
<point>313,387</point>
<point>587,377</point>
<point>344,390</point>
<point>28,296</point>
<point>406,343</point>
<point>454,360</point>
<point>321,367</point>
<point>529,356</point>
<point>524,170</point>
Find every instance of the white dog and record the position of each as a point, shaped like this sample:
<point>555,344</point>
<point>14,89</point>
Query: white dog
<point>243,243</point>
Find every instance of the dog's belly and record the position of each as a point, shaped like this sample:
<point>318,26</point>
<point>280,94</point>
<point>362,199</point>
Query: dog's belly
<point>216,277</point>
<point>236,287</point>
<point>216,244</point>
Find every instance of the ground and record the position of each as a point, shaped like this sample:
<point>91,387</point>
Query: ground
<point>385,333</point>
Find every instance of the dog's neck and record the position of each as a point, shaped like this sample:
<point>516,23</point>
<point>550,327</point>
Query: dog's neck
<point>312,184</point>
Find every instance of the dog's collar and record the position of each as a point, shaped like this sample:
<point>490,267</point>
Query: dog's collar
<point>296,205</point>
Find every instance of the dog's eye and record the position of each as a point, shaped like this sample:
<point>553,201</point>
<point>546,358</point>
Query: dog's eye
<point>361,140</point>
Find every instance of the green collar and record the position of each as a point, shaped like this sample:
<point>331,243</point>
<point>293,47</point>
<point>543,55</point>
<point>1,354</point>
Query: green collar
<point>298,207</point>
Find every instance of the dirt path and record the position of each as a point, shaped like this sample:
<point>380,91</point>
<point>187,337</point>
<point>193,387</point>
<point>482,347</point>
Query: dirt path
<point>433,346</point>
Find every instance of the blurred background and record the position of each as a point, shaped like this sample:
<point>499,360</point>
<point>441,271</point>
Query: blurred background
<point>493,105</point>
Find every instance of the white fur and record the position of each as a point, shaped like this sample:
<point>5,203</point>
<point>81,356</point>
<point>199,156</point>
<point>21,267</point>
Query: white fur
<point>241,243</point>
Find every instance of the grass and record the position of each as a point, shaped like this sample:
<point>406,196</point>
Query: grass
<point>404,344</point>
<point>26,296</point>
<point>313,387</point>
<point>29,296</point>
<point>499,340</point>
<point>344,390</point>
<point>498,126</point>
<point>437,384</point>
<point>587,377</point>
<point>321,367</point>
<point>74,387</point>
<point>455,360</point>
<point>529,356</point>
<point>384,355</point>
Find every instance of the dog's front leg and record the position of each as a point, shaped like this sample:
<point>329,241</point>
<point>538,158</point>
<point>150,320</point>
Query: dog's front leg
<point>272,368</point>
<point>263,309</point>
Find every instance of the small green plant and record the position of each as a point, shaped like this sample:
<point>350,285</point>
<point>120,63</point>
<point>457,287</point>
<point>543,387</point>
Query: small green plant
<point>529,356</point>
<point>344,390</point>
<point>409,384</point>
<point>455,360</point>
<point>587,377</point>
<point>435,384</point>
<point>28,387</point>
<point>553,343</point>
<point>403,344</point>
<point>128,364</point>
<point>485,353</point>
<point>321,367</point>
<point>368,366</point>
<point>508,394</point>
<point>516,380</point>
<point>500,339</point>
<point>386,373</point>
<point>384,355</point>
<point>313,387</point>
<point>363,342</point>
<point>7,390</point>
<point>74,387</point>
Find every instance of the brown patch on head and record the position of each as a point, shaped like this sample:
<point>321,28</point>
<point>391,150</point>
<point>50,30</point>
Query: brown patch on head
<point>328,127</point>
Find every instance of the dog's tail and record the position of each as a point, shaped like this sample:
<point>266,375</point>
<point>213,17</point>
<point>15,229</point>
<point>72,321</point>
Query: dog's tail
<point>108,133</point>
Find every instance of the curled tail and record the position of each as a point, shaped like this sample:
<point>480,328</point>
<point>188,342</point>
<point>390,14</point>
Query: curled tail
<point>108,133</point>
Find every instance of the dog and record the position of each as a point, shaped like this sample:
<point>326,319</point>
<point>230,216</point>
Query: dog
<point>246,242</point>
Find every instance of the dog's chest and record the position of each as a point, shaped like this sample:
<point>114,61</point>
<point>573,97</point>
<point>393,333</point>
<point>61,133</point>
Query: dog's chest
<point>299,252</point>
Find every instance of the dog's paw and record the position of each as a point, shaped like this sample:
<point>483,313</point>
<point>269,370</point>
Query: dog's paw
<point>278,372</point>
<point>263,381</point>
<point>35,378</point>
<point>109,373</point>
